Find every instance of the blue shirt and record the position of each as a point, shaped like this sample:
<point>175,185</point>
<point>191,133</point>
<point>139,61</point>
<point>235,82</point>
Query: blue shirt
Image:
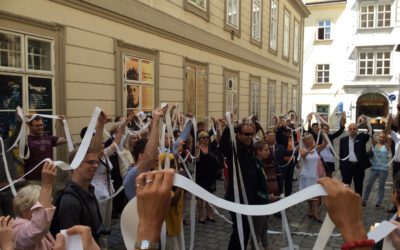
<point>380,158</point>
<point>130,182</point>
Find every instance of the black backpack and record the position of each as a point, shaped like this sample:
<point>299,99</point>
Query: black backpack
<point>55,223</point>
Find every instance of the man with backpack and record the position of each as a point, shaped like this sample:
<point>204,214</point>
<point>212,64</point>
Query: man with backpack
<point>77,204</point>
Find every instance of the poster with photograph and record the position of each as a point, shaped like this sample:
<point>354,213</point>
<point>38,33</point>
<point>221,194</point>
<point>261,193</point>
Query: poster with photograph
<point>132,96</point>
<point>147,98</point>
<point>132,68</point>
<point>147,71</point>
<point>201,95</point>
<point>10,92</point>
<point>190,90</point>
<point>40,93</point>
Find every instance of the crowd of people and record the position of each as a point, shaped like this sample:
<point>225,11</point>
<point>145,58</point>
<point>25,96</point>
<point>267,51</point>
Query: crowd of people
<point>257,166</point>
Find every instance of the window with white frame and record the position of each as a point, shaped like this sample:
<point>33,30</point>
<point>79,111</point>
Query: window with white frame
<point>26,77</point>
<point>324,30</point>
<point>196,89</point>
<point>294,98</point>
<point>374,63</point>
<point>201,4</point>
<point>273,26</point>
<point>284,98</point>
<point>255,85</point>
<point>256,12</point>
<point>296,41</point>
<point>198,7</point>
<point>375,15</point>
<point>138,80</point>
<point>271,102</point>
<point>286,32</point>
<point>231,92</point>
<point>322,73</point>
<point>232,13</point>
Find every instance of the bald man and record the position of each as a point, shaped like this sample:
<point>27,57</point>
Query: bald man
<point>353,168</point>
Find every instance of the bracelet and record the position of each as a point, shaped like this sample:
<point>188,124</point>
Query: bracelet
<point>146,244</point>
<point>358,243</point>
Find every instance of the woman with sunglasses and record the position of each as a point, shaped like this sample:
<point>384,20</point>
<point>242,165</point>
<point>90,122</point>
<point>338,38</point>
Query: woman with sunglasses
<point>206,174</point>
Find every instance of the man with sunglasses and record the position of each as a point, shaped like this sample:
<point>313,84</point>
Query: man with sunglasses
<point>248,168</point>
<point>40,147</point>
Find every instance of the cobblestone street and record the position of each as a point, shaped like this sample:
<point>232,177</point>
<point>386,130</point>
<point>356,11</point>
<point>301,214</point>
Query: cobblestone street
<point>216,235</point>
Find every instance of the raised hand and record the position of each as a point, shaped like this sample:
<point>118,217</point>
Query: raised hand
<point>6,233</point>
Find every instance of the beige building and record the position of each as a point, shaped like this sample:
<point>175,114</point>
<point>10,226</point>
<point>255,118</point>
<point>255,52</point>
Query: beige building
<point>68,56</point>
<point>352,59</point>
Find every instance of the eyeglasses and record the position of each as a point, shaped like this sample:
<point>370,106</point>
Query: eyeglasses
<point>92,162</point>
<point>247,134</point>
<point>205,137</point>
<point>38,126</point>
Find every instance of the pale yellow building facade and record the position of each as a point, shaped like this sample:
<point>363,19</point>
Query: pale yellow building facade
<point>68,56</point>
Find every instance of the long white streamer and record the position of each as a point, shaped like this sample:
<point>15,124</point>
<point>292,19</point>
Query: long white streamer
<point>86,139</point>
<point>65,125</point>
<point>129,218</point>
<point>9,179</point>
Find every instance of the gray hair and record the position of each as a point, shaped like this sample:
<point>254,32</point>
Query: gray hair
<point>25,199</point>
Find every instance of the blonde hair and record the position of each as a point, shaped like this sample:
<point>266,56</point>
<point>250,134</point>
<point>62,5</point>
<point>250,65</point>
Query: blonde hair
<point>203,134</point>
<point>25,199</point>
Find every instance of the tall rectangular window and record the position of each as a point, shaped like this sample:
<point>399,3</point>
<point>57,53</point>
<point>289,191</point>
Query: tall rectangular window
<point>231,91</point>
<point>256,12</point>
<point>232,13</point>
<point>271,102</point>
<point>26,78</point>
<point>284,98</point>
<point>273,26</point>
<point>255,86</point>
<point>374,63</point>
<point>322,73</point>
<point>324,30</point>
<point>383,15</point>
<point>375,15</point>
<point>286,34</point>
<point>198,7</point>
<point>196,89</point>
<point>10,50</point>
<point>138,83</point>
<point>296,41</point>
<point>382,63</point>
<point>201,4</point>
<point>294,98</point>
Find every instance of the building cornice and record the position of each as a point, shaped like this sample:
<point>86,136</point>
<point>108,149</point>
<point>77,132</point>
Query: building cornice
<point>300,6</point>
<point>151,20</point>
<point>326,2</point>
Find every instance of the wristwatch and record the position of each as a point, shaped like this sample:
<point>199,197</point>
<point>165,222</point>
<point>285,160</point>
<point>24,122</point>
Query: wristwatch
<point>146,244</point>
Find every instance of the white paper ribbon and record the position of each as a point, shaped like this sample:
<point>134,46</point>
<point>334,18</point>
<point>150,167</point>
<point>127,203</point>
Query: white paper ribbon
<point>65,125</point>
<point>86,139</point>
<point>9,179</point>
<point>129,217</point>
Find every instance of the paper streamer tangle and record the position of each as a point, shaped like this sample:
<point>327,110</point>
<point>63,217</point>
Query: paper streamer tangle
<point>130,220</point>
